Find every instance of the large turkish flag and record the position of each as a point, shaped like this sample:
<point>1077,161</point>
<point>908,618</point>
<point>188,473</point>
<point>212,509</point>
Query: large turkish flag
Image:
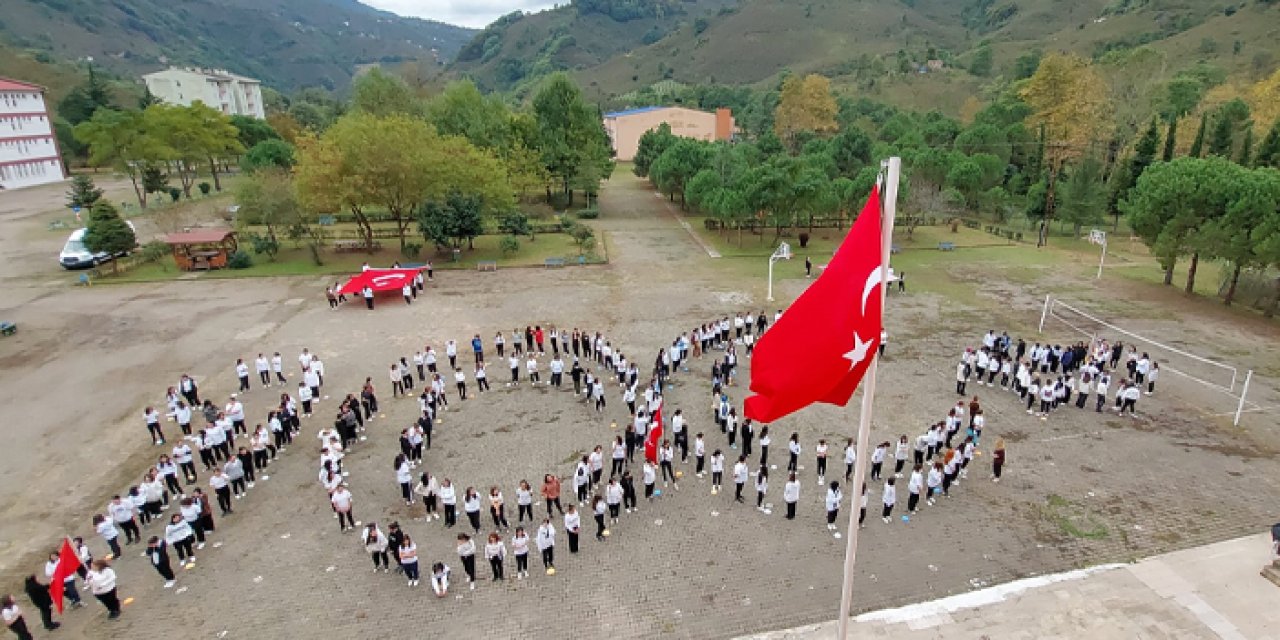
<point>826,340</point>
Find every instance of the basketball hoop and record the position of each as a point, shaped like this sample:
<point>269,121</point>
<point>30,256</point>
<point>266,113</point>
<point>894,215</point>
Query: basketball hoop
<point>783,252</point>
<point>1099,237</point>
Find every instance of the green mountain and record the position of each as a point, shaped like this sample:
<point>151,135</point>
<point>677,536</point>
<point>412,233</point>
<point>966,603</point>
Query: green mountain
<point>285,43</point>
<point>872,48</point>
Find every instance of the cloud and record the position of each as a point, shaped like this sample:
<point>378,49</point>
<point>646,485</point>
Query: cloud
<point>467,13</point>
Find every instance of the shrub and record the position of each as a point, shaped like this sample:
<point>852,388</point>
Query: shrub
<point>588,214</point>
<point>411,250</point>
<point>584,237</point>
<point>175,193</point>
<point>509,245</point>
<point>264,244</point>
<point>515,224</point>
<point>153,251</point>
<point>240,260</point>
<point>204,188</point>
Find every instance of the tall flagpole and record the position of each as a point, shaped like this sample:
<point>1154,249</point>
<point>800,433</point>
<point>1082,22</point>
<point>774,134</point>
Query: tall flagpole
<point>893,167</point>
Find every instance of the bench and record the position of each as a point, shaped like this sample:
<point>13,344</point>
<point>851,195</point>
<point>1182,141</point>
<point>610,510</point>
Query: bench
<point>894,249</point>
<point>342,246</point>
<point>487,265</point>
<point>8,328</point>
<point>946,246</point>
<point>554,263</point>
<point>327,221</point>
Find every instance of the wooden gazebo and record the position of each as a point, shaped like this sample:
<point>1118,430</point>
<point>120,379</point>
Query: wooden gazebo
<point>202,249</point>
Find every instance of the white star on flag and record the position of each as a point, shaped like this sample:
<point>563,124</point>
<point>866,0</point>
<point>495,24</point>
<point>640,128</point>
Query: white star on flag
<point>859,352</point>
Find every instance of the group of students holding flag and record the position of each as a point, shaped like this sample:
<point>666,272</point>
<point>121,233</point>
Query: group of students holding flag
<point>234,457</point>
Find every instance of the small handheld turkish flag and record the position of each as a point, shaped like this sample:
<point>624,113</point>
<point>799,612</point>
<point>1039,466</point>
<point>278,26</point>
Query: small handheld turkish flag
<point>68,563</point>
<point>820,348</point>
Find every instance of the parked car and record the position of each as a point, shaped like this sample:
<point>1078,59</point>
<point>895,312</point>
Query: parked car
<point>75,255</point>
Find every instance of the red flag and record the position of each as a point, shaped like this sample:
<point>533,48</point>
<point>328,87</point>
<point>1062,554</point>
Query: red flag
<point>379,280</point>
<point>654,437</point>
<point>826,340</point>
<point>68,563</point>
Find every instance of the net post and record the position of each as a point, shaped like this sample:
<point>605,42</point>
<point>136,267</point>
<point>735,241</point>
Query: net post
<point>1044,313</point>
<point>1244,391</point>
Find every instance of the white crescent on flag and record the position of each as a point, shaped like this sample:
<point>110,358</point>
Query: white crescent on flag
<point>392,277</point>
<point>876,278</point>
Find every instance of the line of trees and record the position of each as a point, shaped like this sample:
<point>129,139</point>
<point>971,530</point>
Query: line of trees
<point>1062,145</point>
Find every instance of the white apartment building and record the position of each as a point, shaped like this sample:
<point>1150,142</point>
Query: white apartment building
<point>227,92</point>
<point>28,150</point>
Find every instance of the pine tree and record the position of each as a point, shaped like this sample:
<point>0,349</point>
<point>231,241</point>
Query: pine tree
<point>1198,145</point>
<point>107,232</point>
<point>1144,153</point>
<point>1170,140</point>
<point>1246,147</point>
<point>1221,143</point>
<point>83,193</point>
<point>1269,151</point>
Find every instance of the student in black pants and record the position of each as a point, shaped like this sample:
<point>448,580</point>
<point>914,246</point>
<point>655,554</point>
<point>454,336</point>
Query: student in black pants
<point>14,620</point>
<point>158,553</point>
<point>39,595</point>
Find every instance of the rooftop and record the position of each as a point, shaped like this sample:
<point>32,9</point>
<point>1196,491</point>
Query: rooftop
<point>13,85</point>
<point>199,236</point>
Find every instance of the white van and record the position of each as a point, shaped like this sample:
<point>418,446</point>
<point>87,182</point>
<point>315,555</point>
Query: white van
<point>77,256</point>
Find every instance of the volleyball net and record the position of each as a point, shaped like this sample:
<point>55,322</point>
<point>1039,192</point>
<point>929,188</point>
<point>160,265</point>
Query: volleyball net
<point>1173,360</point>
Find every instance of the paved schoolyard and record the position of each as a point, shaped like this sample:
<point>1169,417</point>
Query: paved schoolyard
<point>1080,488</point>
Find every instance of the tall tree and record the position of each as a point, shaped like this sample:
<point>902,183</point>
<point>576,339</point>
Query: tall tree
<point>395,164</point>
<point>805,104</point>
<point>250,131</point>
<point>83,192</point>
<point>1236,236</point>
<point>1246,147</point>
<point>107,232</point>
<point>1170,140</point>
<point>1083,194</point>
<point>1068,98</point>
<point>382,94</point>
<point>122,140</point>
<point>1170,204</point>
<point>461,110</point>
<point>268,197</point>
<point>82,102</point>
<point>651,146</point>
<point>677,165</point>
<point>1269,151</point>
<point>570,133</point>
<point>1197,145</point>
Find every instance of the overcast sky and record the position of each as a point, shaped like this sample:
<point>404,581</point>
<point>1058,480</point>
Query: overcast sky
<point>468,13</point>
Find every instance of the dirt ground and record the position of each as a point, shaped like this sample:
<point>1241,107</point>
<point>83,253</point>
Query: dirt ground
<point>1081,488</point>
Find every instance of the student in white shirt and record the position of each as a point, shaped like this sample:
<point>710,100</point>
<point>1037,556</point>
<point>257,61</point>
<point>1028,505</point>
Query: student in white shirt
<point>717,470</point>
<point>546,541</point>
<point>740,473</point>
<point>242,372</point>
<point>13,619</point>
<point>793,447</point>
<point>376,544</point>
<point>833,505</point>
<point>448,498</point>
<point>699,452</point>
<point>914,486</point>
<point>900,456</point>
<point>471,506</point>
<point>102,583</point>
<point>342,499</point>
<point>263,368</point>
<point>496,552</point>
<point>467,554</point>
<point>439,570</point>
<point>408,556</point>
<point>762,487</point>
<point>889,497</point>
<point>572,527</point>
<point>404,476</point>
<point>461,380</point>
<point>277,366</point>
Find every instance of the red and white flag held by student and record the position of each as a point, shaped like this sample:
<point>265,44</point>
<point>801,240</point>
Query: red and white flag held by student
<point>654,437</point>
<point>826,340</point>
<point>68,563</point>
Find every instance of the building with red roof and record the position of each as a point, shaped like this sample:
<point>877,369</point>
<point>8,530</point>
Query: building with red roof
<point>28,150</point>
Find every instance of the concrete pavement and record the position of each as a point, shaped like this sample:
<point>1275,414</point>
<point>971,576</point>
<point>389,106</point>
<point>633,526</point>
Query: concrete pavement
<point>1211,592</point>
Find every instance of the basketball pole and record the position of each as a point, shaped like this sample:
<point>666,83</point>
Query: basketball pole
<point>1103,259</point>
<point>1044,313</point>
